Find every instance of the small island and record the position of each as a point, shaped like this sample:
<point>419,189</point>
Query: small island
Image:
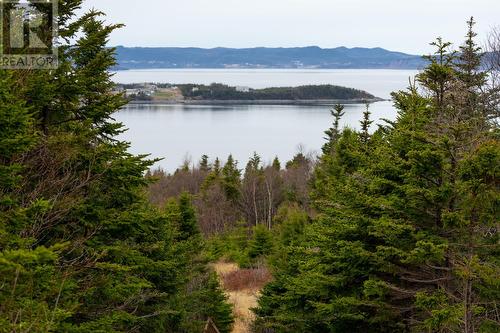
<point>217,93</point>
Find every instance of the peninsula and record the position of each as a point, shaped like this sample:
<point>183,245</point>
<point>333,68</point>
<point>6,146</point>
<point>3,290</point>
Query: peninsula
<point>217,93</point>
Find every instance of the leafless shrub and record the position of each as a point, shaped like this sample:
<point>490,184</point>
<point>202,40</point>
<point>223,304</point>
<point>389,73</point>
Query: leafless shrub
<point>493,65</point>
<point>493,49</point>
<point>172,185</point>
<point>246,279</point>
<point>261,191</point>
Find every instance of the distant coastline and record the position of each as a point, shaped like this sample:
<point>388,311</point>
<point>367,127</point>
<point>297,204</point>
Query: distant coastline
<point>311,57</point>
<point>318,102</point>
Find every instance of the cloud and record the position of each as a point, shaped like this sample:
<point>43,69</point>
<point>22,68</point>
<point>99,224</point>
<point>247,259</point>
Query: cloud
<point>402,25</point>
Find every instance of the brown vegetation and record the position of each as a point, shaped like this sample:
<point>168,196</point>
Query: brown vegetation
<point>242,287</point>
<point>246,279</point>
<point>225,196</point>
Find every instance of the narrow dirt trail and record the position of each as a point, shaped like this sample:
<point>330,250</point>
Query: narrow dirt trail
<point>242,287</point>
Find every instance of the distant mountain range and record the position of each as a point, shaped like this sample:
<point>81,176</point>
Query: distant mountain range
<point>262,57</point>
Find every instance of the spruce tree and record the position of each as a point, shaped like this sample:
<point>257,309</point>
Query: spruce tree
<point>332,133</point>
<point>276,164</point>
<point>403,238</point>
<point>261,243</point>
<point>204,165</point>
<point>29,273</point>
<point>81,247</point>
<point>200,297</point>
<point>253,165</point>
<point>209,301</point>
<point>231,178</point>
<point>365,125</point>
<point>216,167</point>
<point>188,227</point>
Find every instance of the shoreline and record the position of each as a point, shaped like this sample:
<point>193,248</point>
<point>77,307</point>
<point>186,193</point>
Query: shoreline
<point>313,102</point>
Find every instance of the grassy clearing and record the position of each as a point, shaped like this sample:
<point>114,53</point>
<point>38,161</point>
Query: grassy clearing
<point>242,287</point>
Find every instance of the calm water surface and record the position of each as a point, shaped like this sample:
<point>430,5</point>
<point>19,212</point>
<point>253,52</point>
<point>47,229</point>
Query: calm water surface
<point>177,132</point>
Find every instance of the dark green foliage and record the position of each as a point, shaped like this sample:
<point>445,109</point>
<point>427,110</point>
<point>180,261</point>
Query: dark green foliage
<point>253,165</point>
<point>17,136</point>
<point>217,91</point>
<point>290,222</point>
<point>81,248</point>
<point>365,125</point>
<point>261,243</point>
<point>276,164</point>
<point>209,301</point>
<point>406,238</point>
<point>216,166</point>
<point>231,245</point>
<point>204,166</point>
<point>252,246</point>
<point>200,297</point>
<point>231,179</point>
<point>244,246</point>
<point>333,132</point>
<point>298,160</point>
<point>188,227</point>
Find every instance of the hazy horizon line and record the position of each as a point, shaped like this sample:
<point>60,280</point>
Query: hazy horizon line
<point>266,47</point>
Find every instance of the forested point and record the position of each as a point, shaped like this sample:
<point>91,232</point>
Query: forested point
<point>390,229</point>
<point>222,92</point>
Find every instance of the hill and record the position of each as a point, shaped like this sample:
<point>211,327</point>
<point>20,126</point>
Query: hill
<point>261,57</point>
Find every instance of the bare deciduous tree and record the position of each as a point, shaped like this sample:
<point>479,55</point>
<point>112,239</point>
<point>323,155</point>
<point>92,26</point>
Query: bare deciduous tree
<point>493,63</point>
<point>493,49</point>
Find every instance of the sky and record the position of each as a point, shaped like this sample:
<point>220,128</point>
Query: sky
<point>397,25</point>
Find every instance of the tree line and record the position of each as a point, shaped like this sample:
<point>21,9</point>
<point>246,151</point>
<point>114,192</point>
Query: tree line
<point>217,91</point>
<point>226,196</point>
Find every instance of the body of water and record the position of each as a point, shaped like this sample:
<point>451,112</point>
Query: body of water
<point>177,132</point>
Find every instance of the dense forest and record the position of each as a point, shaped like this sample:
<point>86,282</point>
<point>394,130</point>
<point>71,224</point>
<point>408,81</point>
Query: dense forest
<point>391,229</point>
<point>224,92</point>
<point>406,232</point>
<point>81,247</point>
